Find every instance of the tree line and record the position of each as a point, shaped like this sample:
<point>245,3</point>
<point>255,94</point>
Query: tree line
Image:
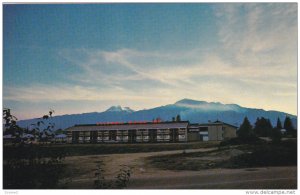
<point>263,128</point>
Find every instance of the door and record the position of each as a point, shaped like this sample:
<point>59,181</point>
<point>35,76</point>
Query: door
<point>174,135</point>
<point>132,136</point>
<point>93,136</point>
<point>152,135</point>
<point>112,135</point>
<point>75,137</point>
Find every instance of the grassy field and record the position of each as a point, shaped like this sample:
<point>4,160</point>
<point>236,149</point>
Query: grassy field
<point>34,166</point>
<point>241,156</point>
<point>96,149</point>
<point>77,170</point>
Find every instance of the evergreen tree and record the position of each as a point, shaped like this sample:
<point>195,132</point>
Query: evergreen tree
<point>276,135</point>
<point>245,130</point>
<point>256,129</point>
<point>269,128</point>
<point>278,126</point>
<point>178,118</point>
<point>288,124</point>
<point>263,127</point>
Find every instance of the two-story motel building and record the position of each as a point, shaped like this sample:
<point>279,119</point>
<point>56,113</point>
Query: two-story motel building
<point>150,132</point>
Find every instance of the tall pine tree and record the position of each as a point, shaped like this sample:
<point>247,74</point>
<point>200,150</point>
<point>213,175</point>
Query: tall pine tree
<point>245,130</point>
<point>263,127</point>
<point>278,126</point>
<point>288,124</point>
<point>289,127</point>
<point>178,118</point>
<point>276,133</point>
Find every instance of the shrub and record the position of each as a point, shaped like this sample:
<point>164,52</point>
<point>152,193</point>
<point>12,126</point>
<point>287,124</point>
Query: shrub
<point>241,141</point>
<point>268,155</point>
<point>29,166</point>
<point>31,170</point>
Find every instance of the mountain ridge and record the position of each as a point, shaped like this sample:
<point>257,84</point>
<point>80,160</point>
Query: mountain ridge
<point>192,110</point>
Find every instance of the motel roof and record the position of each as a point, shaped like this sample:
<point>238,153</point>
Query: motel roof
<point>130,126</point>
<point>195,125</point>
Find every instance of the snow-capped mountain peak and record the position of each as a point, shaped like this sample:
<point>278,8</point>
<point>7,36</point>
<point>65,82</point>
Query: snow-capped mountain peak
<point>127,109</point>
<point>118,108</point>
<point>189,102</point>
<point>114,109</point>
<point>208,106</point>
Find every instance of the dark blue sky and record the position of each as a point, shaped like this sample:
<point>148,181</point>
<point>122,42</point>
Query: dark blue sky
<point>91,56</point>
<point>35,33</point>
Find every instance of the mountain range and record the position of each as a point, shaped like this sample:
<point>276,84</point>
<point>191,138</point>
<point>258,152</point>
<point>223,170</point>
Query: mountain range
<point>191,110</point>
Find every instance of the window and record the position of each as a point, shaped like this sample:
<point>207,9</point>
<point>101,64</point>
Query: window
<point>112,135</point>
<point>139,132</point>
<point>203,128</point>
<point>181,138</point>
<point>204,133</point>
<point>145,132</point>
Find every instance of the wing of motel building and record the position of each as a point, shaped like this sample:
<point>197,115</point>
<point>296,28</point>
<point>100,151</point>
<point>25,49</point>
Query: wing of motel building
<point>212,131</point>
<point>150,132</point>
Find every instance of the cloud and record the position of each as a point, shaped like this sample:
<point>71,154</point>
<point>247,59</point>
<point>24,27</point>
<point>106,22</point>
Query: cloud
<point>259,42</point>
<point>44,93</point>
<point>121,75</point>
<point>255,65</point>
<point>127,67</point>
<point>259,34</point>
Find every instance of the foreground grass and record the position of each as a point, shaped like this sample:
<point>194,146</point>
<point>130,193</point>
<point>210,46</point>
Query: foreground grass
<point>242,156</point>
<point>31,167</point>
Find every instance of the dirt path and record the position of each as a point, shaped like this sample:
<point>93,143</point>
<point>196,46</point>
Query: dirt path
<point>83,167</point>
<point>147,177</point>
<point>258,178</point>
<point>137,162</point>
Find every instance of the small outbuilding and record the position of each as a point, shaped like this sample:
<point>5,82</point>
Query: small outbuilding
<point>61,138</point>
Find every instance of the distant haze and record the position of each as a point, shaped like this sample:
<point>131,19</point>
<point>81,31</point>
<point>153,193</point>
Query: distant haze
<point>80,58</point>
